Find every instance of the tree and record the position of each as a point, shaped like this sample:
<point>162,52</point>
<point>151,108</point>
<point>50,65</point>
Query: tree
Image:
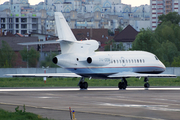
<point>146,41</point>
<point>174,17</point>
<point>163,42</point>
<point>119,29</point>
<point>110,33</point>
<point>170,51</point>
<point>30,56</point>
<point>119,47</point>
<point>48,60</point>
<point>176,62</point>
<point>7,56</point>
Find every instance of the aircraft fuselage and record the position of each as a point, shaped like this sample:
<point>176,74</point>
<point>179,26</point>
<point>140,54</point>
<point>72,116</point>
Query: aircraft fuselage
<point>102,64</point>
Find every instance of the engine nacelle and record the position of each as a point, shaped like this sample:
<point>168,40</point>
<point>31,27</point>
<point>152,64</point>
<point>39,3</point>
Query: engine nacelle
<point>62,60</point>
<point>99,60</point>
<point>55,60</point>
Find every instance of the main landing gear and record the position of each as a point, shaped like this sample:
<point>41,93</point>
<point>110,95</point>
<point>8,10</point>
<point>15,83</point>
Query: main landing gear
<point>146,85</point>
<point>122,84</point>
<point>82,84</point>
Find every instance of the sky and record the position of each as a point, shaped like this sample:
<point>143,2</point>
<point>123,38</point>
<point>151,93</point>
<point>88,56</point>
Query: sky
<point>130,2</point>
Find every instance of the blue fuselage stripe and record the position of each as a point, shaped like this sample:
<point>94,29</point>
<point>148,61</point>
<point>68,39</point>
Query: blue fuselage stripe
<point>111,70</point>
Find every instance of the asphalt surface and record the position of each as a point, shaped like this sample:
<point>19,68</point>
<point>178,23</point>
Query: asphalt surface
<point>96,103</point>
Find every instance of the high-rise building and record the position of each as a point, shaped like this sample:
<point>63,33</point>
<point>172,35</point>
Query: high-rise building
<point>20,23</point>
<point>159,7</point>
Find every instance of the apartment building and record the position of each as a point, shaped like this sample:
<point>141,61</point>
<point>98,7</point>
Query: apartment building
<point>159,7</point>
<point>20,23</point>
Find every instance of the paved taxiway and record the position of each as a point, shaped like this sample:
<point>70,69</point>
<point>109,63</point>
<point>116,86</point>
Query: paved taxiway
<point>96,103</point>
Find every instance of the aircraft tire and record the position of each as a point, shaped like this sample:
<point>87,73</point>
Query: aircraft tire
<point>122,85</point>
<point>83,85</point>
<point>146,85</point>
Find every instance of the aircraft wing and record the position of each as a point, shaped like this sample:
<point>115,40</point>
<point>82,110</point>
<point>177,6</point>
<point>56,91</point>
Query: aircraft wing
<point>45,75</point>
<point>131,74</point>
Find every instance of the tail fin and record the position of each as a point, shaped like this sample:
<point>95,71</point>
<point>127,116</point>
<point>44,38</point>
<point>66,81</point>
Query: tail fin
<point>63,29</point>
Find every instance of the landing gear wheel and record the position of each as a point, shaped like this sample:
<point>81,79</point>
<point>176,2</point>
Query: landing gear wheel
<point>146,85</point>
<point>122,85</point>
<point>83,85</point>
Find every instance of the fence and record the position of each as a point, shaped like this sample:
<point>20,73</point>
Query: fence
<point>3,71</point>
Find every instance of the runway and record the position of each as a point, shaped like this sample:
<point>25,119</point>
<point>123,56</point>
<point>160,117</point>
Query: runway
<point>77,89</point>
<point>96,103</point>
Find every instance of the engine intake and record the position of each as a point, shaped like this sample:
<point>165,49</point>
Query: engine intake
<point>98,60</point>
<point>55,60</point>
<point>89,60</point>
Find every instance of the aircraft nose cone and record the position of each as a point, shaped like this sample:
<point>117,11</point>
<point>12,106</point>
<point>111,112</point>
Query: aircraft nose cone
<point>163,67</point>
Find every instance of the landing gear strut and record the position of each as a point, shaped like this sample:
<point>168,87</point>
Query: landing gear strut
<point>82,84</point>
<point>146,85</point>
<point>122,84</point>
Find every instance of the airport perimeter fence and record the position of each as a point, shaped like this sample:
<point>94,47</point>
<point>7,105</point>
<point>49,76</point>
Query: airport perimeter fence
<point>3,71</point>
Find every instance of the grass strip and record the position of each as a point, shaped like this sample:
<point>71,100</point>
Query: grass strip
<point>72,82</point>
<point>19,115</point>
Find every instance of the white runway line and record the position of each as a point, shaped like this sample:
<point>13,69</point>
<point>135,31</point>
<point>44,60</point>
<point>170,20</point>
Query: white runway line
<point>77,89</point>
<point>150,107</point>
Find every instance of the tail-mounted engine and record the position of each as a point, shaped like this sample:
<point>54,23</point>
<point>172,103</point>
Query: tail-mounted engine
<point>98,60</point>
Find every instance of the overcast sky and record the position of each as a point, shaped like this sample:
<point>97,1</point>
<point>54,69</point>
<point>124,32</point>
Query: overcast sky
<point>130,2</point>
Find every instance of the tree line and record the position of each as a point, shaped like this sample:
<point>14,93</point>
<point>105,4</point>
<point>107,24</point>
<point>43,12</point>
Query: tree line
<point>164,42</point>
<point>8,58</point>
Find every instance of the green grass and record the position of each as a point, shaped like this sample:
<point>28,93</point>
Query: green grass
<point>72,82</point>
<point>19,115</point>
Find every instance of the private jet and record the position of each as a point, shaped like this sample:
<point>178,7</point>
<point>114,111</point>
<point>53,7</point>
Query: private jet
<point>82,59</point>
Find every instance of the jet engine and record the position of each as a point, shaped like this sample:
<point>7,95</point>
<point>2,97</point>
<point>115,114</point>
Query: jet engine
<point>97,60</point>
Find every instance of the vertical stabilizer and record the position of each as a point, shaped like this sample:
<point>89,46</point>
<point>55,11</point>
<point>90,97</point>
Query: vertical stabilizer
<point>63,29</point>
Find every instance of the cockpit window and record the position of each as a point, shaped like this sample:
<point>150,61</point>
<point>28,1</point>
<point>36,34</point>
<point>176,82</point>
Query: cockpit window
<point>156,58</point>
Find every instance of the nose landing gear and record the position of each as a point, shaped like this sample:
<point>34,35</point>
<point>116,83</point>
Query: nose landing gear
<point>82,84</point>
<point>122,84</point>
<point>146,85</point>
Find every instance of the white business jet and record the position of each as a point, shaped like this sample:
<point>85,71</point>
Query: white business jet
<point>80,58</point>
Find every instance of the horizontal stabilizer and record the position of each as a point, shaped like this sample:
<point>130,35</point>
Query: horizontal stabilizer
<point>41,42</point>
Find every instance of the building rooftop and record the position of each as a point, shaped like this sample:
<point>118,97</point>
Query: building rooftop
<point>101,35</point>
<point>13,42</point>
<point>126,35</point>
